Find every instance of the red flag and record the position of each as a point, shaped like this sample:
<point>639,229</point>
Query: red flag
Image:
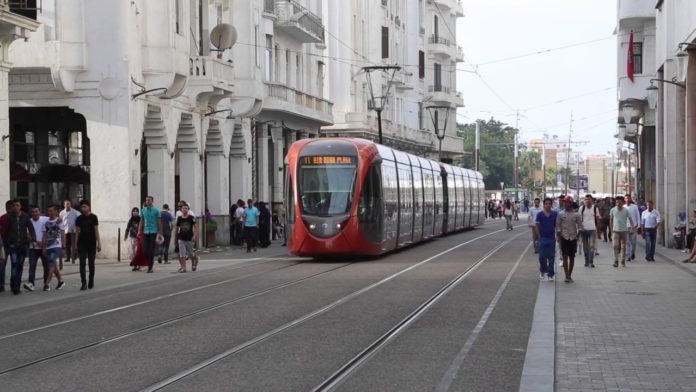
<point>629,64</point>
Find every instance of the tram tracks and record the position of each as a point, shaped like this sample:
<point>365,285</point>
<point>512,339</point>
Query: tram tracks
<point>189,315</point>
<point>311,315</point>
<point>152,300</point>
<point>171,320</point>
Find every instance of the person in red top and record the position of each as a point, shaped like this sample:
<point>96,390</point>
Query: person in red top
<point>4,220</point>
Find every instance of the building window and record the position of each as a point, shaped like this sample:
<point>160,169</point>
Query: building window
<point>320,79</point>
<point>638,57</point>
<point>287,67</point>
<point>298,71</point>
<point>218,11</point>
<point>256,46</point>
<point>385,42</point>
<point>438,77</point>
<point>268,58</point>
<point>276,69</point>
<point>178,17</point>
<point>421,64</point>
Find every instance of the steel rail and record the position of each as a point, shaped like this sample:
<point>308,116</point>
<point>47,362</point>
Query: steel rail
<point>371,350</point>
<point>302,319</point>
<point>151,300</point>
<point>171,320</point>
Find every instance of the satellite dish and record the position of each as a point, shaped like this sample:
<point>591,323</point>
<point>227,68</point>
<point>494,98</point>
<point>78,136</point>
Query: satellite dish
<point>223,36</point>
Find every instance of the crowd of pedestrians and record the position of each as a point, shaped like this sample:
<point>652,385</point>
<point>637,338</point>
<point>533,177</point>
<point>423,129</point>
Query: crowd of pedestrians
<point>619,220</point>
<point>59,234</point>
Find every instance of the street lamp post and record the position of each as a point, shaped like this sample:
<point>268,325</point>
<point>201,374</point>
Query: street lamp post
<point>439,114</point>
<point>377,103</point>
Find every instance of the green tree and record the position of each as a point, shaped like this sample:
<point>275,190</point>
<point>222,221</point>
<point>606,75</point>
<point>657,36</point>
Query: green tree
<point>497,151</point>
<point>530,162</point>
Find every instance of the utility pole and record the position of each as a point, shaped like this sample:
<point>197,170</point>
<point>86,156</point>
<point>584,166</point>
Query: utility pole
<point>543,166</point>
<point>567,168</point>
<point>517,131</point>
<point>478,146</point>
<point>577,175</point>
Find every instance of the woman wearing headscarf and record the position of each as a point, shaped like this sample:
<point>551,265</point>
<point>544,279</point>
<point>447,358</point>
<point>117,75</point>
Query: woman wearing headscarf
<point>264,225</point>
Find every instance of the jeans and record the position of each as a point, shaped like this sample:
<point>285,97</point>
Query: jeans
<point>508,223</point>
<point>605,229</point>
<point>251,234</point>
<point>17,255</point>
<point>34,256</point>
<point>650,236</point>
<point>588,245</point>
<point>149,243</point>
<point>631,245</point>
<point>547,256</point>
<point>619,241</point>
<point>535,240</point>
<point>164,248</point>
<point>87,253</point>
<point>68,246</point>
<point>3,266</point>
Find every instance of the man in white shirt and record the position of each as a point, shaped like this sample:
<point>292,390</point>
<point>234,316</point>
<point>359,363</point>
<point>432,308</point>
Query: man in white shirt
<point>531,222</point>
<point>649,223</point>
<point>590,226</point>
<point>634,213</point>
<point>68,216</point>
<point>239,223</point>
<point>36,249</point>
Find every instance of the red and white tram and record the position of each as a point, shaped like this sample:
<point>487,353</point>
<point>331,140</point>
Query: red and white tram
<point>355,197</point>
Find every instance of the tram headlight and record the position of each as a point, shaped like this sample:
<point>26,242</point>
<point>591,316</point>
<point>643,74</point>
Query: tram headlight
<point>312,226</point>
<point>338,226</point>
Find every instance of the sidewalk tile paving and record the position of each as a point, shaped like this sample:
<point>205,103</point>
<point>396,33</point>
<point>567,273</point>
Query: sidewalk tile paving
<point>627,329</point>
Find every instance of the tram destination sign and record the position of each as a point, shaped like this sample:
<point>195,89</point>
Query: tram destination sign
<point>321,160</point>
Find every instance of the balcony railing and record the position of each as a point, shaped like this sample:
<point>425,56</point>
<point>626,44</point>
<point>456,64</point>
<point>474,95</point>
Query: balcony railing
<point>217,70</point>
<point>439,40</point>
<point>269,6</point>
<point>299,98</point>
<point>26,8</point>
<point>294,17</point>
<point>439,89</point>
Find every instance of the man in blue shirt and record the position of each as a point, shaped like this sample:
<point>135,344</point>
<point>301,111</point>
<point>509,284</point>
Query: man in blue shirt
<point>151,226</point>
<point>546,232</point>
<point>251,223</point>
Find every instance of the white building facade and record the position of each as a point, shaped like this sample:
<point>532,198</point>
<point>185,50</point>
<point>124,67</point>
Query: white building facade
<point>114,100</point>
<point>420,37</point>
<point>661,122</point>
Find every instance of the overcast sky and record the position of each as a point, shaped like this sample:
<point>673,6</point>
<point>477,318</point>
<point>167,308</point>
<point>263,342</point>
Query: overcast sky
<point>583,75</point>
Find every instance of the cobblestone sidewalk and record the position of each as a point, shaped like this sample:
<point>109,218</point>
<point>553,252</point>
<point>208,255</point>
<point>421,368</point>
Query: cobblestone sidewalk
<point>627,329</point>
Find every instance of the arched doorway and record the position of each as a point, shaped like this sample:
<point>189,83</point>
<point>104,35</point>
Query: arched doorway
<point>49,155</point>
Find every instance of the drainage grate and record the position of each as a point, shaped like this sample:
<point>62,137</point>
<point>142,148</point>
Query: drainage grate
<point>640,293</point>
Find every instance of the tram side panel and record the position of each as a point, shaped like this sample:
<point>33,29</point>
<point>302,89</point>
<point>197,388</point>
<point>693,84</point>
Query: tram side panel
<point>390,205</point>
<point>417,202</point>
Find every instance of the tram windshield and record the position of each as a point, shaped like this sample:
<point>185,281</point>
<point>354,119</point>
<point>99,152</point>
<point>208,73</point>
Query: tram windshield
<point>327,184</point>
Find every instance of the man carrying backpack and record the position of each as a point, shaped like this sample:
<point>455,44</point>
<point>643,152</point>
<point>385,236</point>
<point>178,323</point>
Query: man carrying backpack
<point>590,226</point>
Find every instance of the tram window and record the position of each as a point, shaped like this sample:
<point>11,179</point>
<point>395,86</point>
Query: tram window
<point>327,189</point>
<point>370,208</point>
<point>290,198</point>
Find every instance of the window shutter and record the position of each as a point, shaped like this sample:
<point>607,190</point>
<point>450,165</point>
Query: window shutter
<point>421,64</point>
<point>385,42</point>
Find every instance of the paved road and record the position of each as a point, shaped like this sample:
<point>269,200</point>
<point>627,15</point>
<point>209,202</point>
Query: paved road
<point>451,314</point>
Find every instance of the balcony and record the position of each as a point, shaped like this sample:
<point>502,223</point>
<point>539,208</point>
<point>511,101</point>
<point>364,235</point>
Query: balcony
<point>27,8</point>
<point>458,9</point>
<point>211,71</point>
<point>403,81</point>
<point>458,54</point>
<point>269,8</point>
<point>288,102</point>
<point>298,22</point>
<point>439,45</point>
<point>443,95</point>
<point>444,5</point>
<point>634,90</point>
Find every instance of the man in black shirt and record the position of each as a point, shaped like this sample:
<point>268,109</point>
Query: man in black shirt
<point>87,242</point>
<point>20,234</point>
